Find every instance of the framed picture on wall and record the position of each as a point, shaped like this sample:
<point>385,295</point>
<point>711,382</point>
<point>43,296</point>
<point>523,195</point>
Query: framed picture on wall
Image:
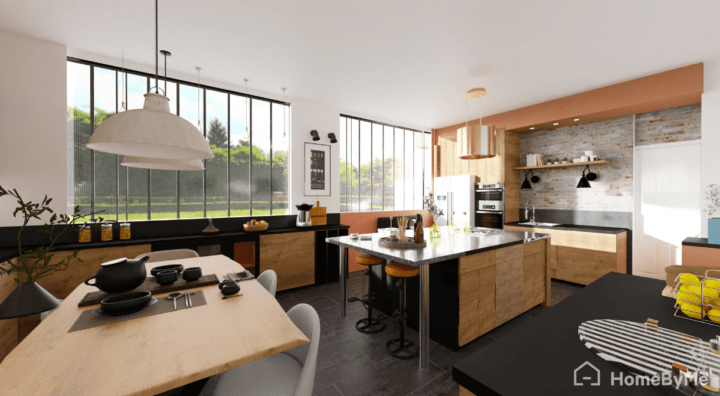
<point>317,169</point>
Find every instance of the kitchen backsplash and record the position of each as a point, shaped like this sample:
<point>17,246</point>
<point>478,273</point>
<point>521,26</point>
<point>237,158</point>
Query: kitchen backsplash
<point>610,140</point>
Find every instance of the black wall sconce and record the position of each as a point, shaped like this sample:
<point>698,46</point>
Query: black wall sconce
<point>315,135</point>
<point>332,137</point>
<point>586,179</point>
<point>526,184</point>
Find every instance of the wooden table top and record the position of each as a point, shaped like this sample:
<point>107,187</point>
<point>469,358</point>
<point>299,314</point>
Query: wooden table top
<point>153,354</point>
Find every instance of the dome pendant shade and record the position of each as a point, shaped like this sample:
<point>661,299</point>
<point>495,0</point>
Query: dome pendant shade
<point>151,132</point>
<point>584,183</point>
<point>479,144</point>
<point>163,164</point>
<point>526,185</point>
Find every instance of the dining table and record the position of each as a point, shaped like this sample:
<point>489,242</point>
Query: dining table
<point>151,354</point>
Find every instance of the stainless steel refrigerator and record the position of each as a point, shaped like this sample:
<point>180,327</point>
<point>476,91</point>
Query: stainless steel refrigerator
<point>455,195</point>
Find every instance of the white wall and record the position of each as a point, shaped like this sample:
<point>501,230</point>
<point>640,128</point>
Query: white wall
<point>710,126</point>
<point>33,131</point>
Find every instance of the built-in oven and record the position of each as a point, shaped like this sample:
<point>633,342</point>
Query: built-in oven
<point>490,206</point>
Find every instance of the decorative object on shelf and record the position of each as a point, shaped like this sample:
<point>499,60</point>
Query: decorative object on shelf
<point>167,277</point>
<point>395,243</point>
<point>254,225</point>
<point>698,297</point>
<point>526,184</point>
<point>318,215</point>
<point>402,226</point>
<point>120,275</point>
<point>151,131</point>
<point>419,232</point>
<point>585,180</point>
<point>164,163</point>
<point>125,231</point>
<point>429,205</point>
<point>84,234</point>
<point>565,160</point>
<point>315,135</point>
<point>712,196</point>
<point>210,229</point>
<point>480,143</point>
<point>303,216</point>
<point>317,169</point>
<point>598,161</point>
<point>332,137</point>
<point>106,232</point>
<point>29,298</point>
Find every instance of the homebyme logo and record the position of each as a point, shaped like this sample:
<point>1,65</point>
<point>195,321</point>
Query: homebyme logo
<point>587,374</point>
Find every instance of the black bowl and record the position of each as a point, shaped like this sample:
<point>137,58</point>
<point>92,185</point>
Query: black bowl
<point>125,302</point>
<point>167,277</point>
<point>192,274</point>
<point>226,282</point>
<point>176,267</point>
<point>230,289</point>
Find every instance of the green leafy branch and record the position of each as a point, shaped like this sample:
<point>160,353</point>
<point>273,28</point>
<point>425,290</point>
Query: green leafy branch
<point>37,263</point>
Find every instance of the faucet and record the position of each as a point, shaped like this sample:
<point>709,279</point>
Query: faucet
<point>533,211</point>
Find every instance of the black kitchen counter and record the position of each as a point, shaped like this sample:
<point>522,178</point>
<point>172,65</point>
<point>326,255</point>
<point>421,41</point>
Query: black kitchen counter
<point>8,253</point>
<point>540,356</point>
<point>573,227</point>
<point>699,242</point>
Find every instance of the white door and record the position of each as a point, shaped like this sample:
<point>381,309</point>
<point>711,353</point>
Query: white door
<point>667,204</point>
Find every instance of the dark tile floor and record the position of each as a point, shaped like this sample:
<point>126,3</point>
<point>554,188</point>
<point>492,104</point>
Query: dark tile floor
<point>351,363</point>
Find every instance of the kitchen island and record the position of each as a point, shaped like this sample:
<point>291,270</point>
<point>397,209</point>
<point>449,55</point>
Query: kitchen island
<point>478,282</point>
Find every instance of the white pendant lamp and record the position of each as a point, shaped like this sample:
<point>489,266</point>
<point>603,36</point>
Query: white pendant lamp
<point>479,143</point>
<point>163,163</point>
<point>152,131</point>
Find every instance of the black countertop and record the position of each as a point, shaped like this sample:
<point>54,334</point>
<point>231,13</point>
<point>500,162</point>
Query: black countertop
<point>540,356</point>
<point>573,227</point>
<point>8,253</point>
<point>699,242</point>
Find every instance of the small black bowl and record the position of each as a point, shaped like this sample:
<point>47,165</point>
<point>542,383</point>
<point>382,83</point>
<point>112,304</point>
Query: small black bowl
<point>176,267</point>
<point>167,277</point>
<point>125,302</point>
<point>226,282</point>
<point>230,288</point>
<point>192,274</point>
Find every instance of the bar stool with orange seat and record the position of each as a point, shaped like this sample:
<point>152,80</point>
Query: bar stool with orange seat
<point>399,347</point>
<point>368,325</point>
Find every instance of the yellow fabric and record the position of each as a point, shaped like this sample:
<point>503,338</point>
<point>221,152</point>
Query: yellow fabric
<point>367,259</point>
<point>401,271</point>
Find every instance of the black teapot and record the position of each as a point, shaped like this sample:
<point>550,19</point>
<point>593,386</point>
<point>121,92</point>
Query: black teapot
<point>121,275</point>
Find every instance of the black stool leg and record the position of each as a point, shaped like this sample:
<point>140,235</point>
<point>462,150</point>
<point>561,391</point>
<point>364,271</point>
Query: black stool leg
<point>369,325</point>
<point>399,347</point>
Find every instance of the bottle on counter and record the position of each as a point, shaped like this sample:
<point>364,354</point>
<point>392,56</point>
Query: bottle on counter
<point>419,233</point>
<point>125,231</point>
<point>85,234</point>
<point>106,232</point>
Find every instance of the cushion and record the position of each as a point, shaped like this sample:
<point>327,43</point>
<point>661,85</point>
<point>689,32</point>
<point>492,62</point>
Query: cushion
<point>401,270</point>
<point>367,259</point>
<point>276,375</point>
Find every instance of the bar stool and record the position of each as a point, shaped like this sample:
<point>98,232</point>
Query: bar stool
<point>399,347</point>
<point>368,325</point>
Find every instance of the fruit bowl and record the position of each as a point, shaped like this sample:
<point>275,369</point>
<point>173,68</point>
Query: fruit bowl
<point>256,227</point>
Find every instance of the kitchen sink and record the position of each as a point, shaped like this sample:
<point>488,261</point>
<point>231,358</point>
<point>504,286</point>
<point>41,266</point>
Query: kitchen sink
<point>540,224</point>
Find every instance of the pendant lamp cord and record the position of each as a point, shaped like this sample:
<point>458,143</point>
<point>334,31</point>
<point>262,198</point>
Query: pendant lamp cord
<point>156,45</point>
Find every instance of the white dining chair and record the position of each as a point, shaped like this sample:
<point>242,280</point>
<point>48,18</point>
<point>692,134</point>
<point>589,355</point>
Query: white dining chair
<point>164,255</point>
<point>289,373</point>
<point>269,281</point>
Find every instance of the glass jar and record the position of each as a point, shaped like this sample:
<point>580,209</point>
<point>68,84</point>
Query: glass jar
<point>85,234</point>
<point>106,232</point>
<point>125,231</point>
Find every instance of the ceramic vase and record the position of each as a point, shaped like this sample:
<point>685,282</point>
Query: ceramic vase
<point>714,231</point>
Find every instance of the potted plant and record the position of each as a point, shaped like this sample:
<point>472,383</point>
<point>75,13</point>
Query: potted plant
<point>565,160</point>
<point>557,161</point>
<point>712,195</point>
<point>429,205</point>
<point>31,264</point>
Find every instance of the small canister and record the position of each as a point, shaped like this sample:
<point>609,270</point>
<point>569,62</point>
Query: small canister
<point>125,231</point>
<point>85,234</point>
<point>106,233</point>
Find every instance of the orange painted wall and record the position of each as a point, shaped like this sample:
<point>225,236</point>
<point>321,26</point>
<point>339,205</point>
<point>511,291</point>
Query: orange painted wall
<point>366,222</point>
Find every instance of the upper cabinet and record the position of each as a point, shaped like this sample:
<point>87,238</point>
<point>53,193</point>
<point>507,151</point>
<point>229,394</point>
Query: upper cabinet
<point>495,170</point>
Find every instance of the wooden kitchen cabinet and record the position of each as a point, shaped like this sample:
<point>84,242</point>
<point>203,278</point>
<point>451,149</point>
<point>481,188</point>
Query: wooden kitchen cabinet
<point>583,257</point>
<point>291,256</point>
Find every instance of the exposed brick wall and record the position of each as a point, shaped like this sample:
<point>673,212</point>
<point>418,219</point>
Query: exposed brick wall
<point>667,126</point>
<point>610,140</point>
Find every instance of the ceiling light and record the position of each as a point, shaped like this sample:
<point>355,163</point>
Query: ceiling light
<point>151,131</point>
<point>531,128</point>
<point>332,137</point>
<point>478,143</point>
<point>576,119</point>
<point>556,123</point>
<point>315,135</point>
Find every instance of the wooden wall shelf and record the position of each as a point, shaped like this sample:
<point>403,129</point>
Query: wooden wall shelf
<point>601,162</point>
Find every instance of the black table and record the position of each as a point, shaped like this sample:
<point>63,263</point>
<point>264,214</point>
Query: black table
<point>540,357</point>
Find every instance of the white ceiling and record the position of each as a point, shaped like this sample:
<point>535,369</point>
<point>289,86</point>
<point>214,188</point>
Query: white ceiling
<point>410,61</point>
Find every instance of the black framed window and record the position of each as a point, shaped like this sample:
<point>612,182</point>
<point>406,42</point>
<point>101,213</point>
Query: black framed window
<point>382,167</point>
<point>248,175</point>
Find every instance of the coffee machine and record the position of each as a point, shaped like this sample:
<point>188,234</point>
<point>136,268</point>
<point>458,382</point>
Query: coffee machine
<point>303,217</point>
